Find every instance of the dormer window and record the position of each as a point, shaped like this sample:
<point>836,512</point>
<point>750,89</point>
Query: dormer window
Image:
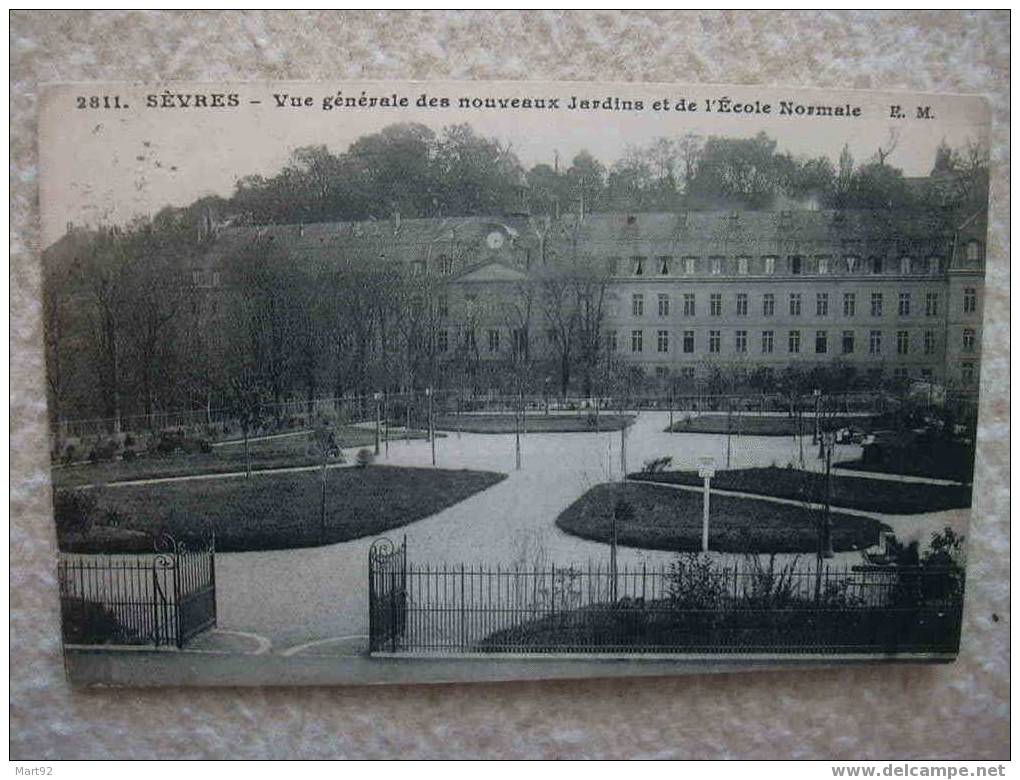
<point>823,265</point>
<point>933,265</point>
<point>716,266</point>
<point>851,264</point>
<point>689,265</point>
<point>876,265</point>
<point>795,265</point>
<point>613,266</point>
<point>973,251</point>
<point>639,266</point>
<point>742,265</point>
<point>770,265</point>
<point>664,266</point>
<point>905,265</point>
<point>445,265</point>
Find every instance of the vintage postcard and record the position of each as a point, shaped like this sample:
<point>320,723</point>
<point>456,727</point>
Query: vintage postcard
<point>390,382</point>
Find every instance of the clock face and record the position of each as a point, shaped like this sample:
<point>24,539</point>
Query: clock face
<point>494,239</point>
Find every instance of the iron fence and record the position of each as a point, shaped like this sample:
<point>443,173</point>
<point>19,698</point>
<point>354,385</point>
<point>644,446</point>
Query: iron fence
<point>692,606</point>
<point>161,599</point>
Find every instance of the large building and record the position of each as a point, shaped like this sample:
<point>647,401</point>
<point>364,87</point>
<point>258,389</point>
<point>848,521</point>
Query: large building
<point>892,295</point>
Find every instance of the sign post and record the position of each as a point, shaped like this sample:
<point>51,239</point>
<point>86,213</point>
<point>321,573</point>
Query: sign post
<point>706,470</point>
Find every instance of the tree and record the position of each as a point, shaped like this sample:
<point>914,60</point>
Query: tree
<point>740,172</point>
<point>244,402</point>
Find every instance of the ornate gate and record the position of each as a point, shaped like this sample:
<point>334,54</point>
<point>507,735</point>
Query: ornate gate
<point>387,595</point>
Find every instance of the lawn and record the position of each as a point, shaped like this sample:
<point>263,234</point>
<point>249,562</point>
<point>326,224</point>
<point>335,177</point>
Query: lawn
<point>753,425</point>
<point>666,518</point>
<point>278,511</point>
<point>935,459</point>
<point>869,495</point>
<point>535,423</point>
<point>280,452</point>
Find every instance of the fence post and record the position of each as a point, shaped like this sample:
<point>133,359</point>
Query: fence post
<point>155,604</point>
<point>463,614</point>
<point>177,603</point>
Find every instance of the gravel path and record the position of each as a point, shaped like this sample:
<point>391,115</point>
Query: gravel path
<point>298,596</point>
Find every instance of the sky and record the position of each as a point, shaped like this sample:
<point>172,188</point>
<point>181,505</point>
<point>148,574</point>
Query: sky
<point>106,166</point>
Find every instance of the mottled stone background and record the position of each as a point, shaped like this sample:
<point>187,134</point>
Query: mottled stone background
<point>959,711</point>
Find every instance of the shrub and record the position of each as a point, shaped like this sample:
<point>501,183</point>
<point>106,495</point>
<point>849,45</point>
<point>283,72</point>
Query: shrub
<point>70,452</point>
<point>74,510</point>
<point>129,441</point>
<point>88,622</point>
<point>364,458</point>
<point>103,451</point>
<point>657,465</point>
<point>694,582</point>
<point>204,446</point>
<point>129,454</point>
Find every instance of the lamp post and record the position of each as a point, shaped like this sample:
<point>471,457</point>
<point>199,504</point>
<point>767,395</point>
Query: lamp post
<point>378,420</point>
<point>432,430</point>
<point>818,400</point>
<point>706,470</point>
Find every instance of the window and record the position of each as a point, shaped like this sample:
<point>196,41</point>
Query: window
<point>613,266</point>
<point>520,340</point>
<point>689,265</point>
<point>637,339</point>
<point>849,304</point>
<point>418,268</point>
<point>663,304</point>
<point>493,341</point>
<point>901,373</point>
<point>926,373</point>
<point>637,304</point>
<point>793,342</point>
<point>904,308</point>
<point>687,372</point>
<point>770,265</point>
<point>664,265</point>
<point>768,305</point>
<point>967,373</point>
<point>442,340</point>
<point>688,304</point>
<point>876,304</point>
<point>905,265</point>
<point>740,343</point>
<point>929,342</point>
<point>933,265</point>
<point>443,306</point>
<point>742,265</point>
<point>688,341</point>
<point>969,300</point>
<point>715,304</point>
<point>973,251</point>
<point>931,304</point>
<point>822,304</point>
<point>823,265</point>
<point>821,342</point>
<point>852,264</point>
<point>445,265</point>
<point>714,341</point>
<point>968,339</point>
<point>795,264</point>
<point>612,342</point>
<point>662,341</point>
<point>716,265</point>
<point>875,342</point>
<point>848,342</point>
<point>902,342</point>
<point>661,372</point>
<point>469,340</point>
<point>767,342</point>
<point>876,265</point>
<point>794,304</point>
<point>742,304</point>
<point>639,266</point>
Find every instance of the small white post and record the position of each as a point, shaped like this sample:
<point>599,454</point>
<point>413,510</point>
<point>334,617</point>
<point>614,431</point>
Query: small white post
<point>706,470</point>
